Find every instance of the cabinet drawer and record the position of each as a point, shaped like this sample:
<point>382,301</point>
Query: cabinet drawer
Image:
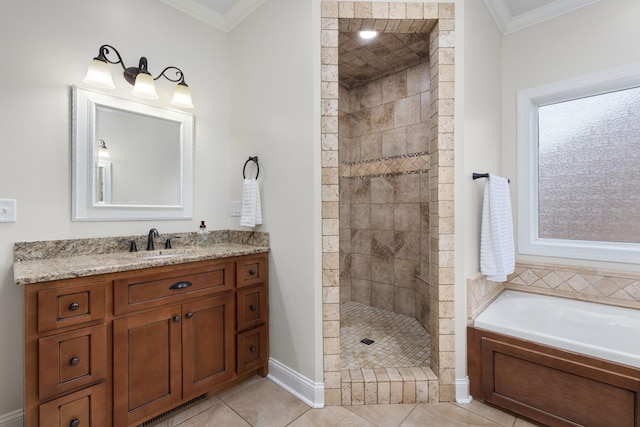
<point>252,270</point>
<point>70,305</point>
<point>153,290</point>
<point>71,360</point>
<point>252,307</point>
<point>85,408</point>
<point>253,348</point>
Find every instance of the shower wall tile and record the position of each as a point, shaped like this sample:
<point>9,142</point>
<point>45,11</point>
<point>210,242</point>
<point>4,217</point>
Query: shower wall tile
<point>394,142</point>
<point>382,296</point>
<point>361,216</point>
<point>394,87</point>
<point>407,188</point>
<point>406,217</point>
<point>383,270</point>
<point>361,241</point>
<point>407,111</point>
<point>360,266</point>
<point>382,189</point>
<point>381,118</point>
<point>382,216</point>
<point>371,146</point>
<point>404,301</point>
<point>361,291</point>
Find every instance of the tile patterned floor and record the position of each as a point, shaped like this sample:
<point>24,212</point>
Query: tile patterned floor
<point>260,402</point>
<point>400,341</point>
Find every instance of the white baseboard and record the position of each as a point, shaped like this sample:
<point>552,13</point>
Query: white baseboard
<point>12,419</point>
<point>300,386</point>
<point>462,391</point>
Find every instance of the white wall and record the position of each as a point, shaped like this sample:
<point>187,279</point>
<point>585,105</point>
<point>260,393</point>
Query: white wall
<point>46,47</point>
<point>478,143</point>
<point>597,37</point>
<point>274,107</point>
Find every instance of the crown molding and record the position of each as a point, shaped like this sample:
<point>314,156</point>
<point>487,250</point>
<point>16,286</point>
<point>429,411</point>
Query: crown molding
<point>509,24</point>
<point>224,22</point>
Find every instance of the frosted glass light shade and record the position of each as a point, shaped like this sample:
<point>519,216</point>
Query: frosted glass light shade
<point>103,154</point>
<point>99,75</point>
<point>144,87</point>
<point>182,96</point>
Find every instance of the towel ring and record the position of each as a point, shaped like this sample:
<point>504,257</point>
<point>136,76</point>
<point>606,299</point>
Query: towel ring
<point>251,159</point>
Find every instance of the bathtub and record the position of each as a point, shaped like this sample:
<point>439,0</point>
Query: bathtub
<point>598,330</point>
<point>557,361</point>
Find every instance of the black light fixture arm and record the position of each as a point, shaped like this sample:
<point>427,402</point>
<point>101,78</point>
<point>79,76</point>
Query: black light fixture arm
<point>179,75</point>
<point>104,51</point>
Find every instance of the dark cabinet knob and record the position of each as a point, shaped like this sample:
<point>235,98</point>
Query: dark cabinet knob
<point>252,272</point>
<point>74,361</point>
<point>252,348</point>
<point>74,306</point>
<point>189,315</point>
<point>253,308</point>
<point>74,422</point>
<point>176,318</point>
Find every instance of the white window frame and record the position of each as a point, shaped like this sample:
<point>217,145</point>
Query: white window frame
<point>528,101</point>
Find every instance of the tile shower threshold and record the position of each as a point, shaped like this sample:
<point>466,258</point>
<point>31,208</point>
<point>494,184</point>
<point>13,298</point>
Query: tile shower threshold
<point>378,386</point>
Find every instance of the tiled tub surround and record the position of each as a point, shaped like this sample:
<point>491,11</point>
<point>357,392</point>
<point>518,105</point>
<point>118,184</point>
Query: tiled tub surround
<point>581,283</point>
<point>42,261</point>
<point>337,15</point>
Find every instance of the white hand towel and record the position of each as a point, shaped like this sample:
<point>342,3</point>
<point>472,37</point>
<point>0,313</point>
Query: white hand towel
<point>497,252</point>
<point>251,213</point>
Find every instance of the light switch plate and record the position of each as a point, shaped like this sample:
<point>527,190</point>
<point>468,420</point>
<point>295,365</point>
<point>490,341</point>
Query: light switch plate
<point>235,208</point>
<point>7,210</point>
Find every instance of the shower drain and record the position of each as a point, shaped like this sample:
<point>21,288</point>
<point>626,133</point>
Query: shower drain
<point>367,341</point>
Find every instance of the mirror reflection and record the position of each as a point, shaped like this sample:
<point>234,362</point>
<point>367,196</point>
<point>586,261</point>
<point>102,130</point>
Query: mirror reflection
<point>131,160</point>
<point>144,158</point>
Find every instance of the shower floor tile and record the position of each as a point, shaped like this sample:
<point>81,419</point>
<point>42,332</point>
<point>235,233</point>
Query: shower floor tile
<point>399,341</point>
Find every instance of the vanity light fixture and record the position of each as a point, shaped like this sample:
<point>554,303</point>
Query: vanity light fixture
<point>99,75</point>
<point>367,34</point>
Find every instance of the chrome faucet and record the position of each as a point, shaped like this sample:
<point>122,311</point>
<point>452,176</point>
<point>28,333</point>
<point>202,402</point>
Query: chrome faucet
<point>153,233</point>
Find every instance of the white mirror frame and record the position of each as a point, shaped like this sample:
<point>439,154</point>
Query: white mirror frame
<point>85,104</point>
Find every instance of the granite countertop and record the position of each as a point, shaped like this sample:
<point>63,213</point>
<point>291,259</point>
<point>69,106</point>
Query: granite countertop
<point>64,259</point>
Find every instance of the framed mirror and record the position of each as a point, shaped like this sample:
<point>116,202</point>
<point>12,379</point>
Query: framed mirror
<point>130,161</point>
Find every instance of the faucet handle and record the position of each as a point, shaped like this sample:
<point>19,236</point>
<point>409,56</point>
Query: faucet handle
<point>167,244</point>
<point>132,245</point>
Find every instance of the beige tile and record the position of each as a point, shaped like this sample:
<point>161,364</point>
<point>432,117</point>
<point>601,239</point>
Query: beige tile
<point>383,415</point>
<point>266,404</point>
<point>523,423</point>
<point>330,416</point>
<point>489,412</point>
<point>444,415</point>
<point>219,414</point>
<point>225,394</point>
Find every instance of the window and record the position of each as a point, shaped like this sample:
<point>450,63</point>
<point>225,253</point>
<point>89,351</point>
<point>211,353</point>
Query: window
<point>579,167</point>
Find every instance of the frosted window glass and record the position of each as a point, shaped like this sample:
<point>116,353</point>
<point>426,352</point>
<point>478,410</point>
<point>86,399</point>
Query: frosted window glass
<point>589,168</point>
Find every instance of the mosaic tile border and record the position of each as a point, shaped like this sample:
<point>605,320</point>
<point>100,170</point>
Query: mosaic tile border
<point>382,167</point>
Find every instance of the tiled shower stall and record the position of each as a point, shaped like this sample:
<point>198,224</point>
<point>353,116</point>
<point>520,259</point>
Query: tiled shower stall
<point>387,188</point>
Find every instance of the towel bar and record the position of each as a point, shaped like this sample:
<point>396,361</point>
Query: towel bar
<point>484,175</point>
<point>251,159</point>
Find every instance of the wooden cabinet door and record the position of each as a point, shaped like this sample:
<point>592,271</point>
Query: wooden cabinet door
<point>147,364</point>
<point>208,348</point>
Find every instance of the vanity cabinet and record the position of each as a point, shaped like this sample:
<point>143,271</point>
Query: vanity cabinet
<point>121,348</point>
